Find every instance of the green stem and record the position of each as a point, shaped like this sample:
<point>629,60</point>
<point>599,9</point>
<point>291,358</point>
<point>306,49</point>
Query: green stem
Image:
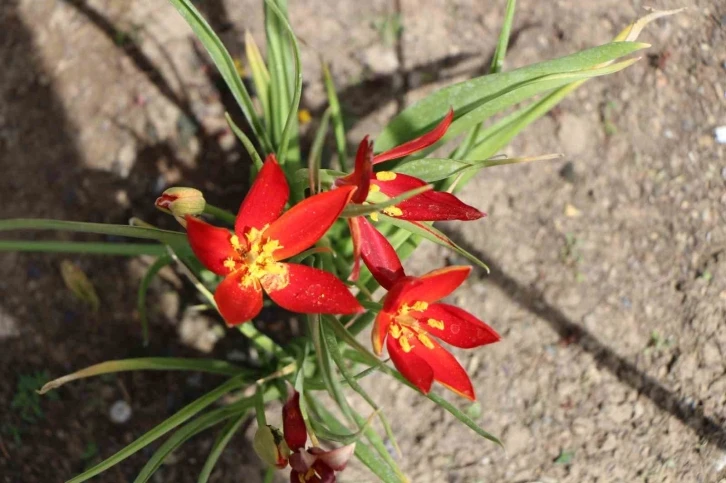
<point>91,248</point>
<point>163,236</point>
<point>220,214</point>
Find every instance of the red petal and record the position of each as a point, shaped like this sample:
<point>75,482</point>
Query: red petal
<point>238,303</point>
<point>461,329</point>
<point>419,143</point>
<point>354,227</point>
<point>311,291</point>
<point>380,330</point>
<point>265,200</point>
<point>210,244</point>
<point>303,224</point>
<point>378,254</point>
<point>411,366</point>
<point>293,424</point>
<point>363,170</point>
<point>428,206</point>
<point>336,459</point>
<point>446,368</point>
<point>436,285</point>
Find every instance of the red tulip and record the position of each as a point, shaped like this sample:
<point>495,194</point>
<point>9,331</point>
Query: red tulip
<point>411,319</point>
<point>428,206</point>
<point>250,259</point>
<point>312,465</point>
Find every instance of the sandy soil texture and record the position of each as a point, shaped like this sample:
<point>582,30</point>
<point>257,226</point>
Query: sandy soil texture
<point>608,280</point>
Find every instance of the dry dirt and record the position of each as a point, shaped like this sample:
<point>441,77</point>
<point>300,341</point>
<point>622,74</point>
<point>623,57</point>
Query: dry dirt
<point>608,277</point>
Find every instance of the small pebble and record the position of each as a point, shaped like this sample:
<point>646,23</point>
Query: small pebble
<point>720,133</point>
<point>120,412</point>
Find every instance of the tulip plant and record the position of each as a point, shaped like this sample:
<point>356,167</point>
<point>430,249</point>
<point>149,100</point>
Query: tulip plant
<point>299,237</point>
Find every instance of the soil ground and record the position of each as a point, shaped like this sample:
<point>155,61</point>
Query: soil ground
<point>608,279</point>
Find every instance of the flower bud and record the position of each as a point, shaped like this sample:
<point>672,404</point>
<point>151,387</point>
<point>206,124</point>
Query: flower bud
<point>181,202</point>
<point>271,447</point>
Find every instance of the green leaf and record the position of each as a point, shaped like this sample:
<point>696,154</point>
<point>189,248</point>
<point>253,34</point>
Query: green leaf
<point>501,51</point>
<point>337,113</point>
<point>329,331</point>
<point>564,458</point>
<point>180,417</point>
<point>224,63</point>
<point>316,152</point>
<point>366,455</point>
<point>260,74</point>
<point>186,432</point>
<point>432,234</point>
<point>476,99</point>
<point>154,269</point>
<point>88,248</point>
<point>352,210</point>
<point>151,364</point>
<point>280,66</point>
<point>222,441</point>
<point>456,412</point>
<point>164,236</point>
<point>246,142</point>
<point>326,176</point>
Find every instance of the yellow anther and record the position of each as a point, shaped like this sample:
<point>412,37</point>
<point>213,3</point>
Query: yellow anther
<point>385,176</point>
<point>393,211</point>
<point>395,331</point>
<point>271,246</point>
<point>405,344</point>
<point>436,324</point>
<point>230,264</point>
<point>420,306</point>
<point>374,188</point>
<point>425,340</point>
<point>304,117</point>
<point>235,242</point>
<point>374,216</point>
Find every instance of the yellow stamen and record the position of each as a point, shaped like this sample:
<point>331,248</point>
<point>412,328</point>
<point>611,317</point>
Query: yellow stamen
<point>405,344</point>
<point>235,242</point>
<point>385,176</point>
<point>393,211</point>
<point>230,264</point>
<point>395,330</point>
<point>420,306</point>
<point>425,340</point>
<point>436,324</point>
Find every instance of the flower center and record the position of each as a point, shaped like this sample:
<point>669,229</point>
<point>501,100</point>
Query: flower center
<point>256,260</point>
<point>407,330</point>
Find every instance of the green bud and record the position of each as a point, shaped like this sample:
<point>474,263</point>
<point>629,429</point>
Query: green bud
<point>271,447</point>
<point>181,202</point>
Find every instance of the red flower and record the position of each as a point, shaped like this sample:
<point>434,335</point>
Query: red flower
<point>250,258</point>
<point>411,316</point>
<point>313,465</point>
<point>428,206</point>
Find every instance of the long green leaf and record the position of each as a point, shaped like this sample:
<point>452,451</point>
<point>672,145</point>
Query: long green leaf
<point>291,124</point>
<point>164,236</point>
<point>332,343</point>
<point>260,74</point>
<point>432,234</point>
<point>150,364</point>
<point>222,441</point>
<point>158,264</point>
<point>186,432</point>
<point>224,63</point>
<point>457,413</point>
<point>180,417</point>
<point>366,455</point>
<point>89,248</point>
<point>316,153</point>
<point>352,210</point>
<point>501,51</point>
<point>337,114</point>
<point>246,142</point>
<point>506,88</point>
